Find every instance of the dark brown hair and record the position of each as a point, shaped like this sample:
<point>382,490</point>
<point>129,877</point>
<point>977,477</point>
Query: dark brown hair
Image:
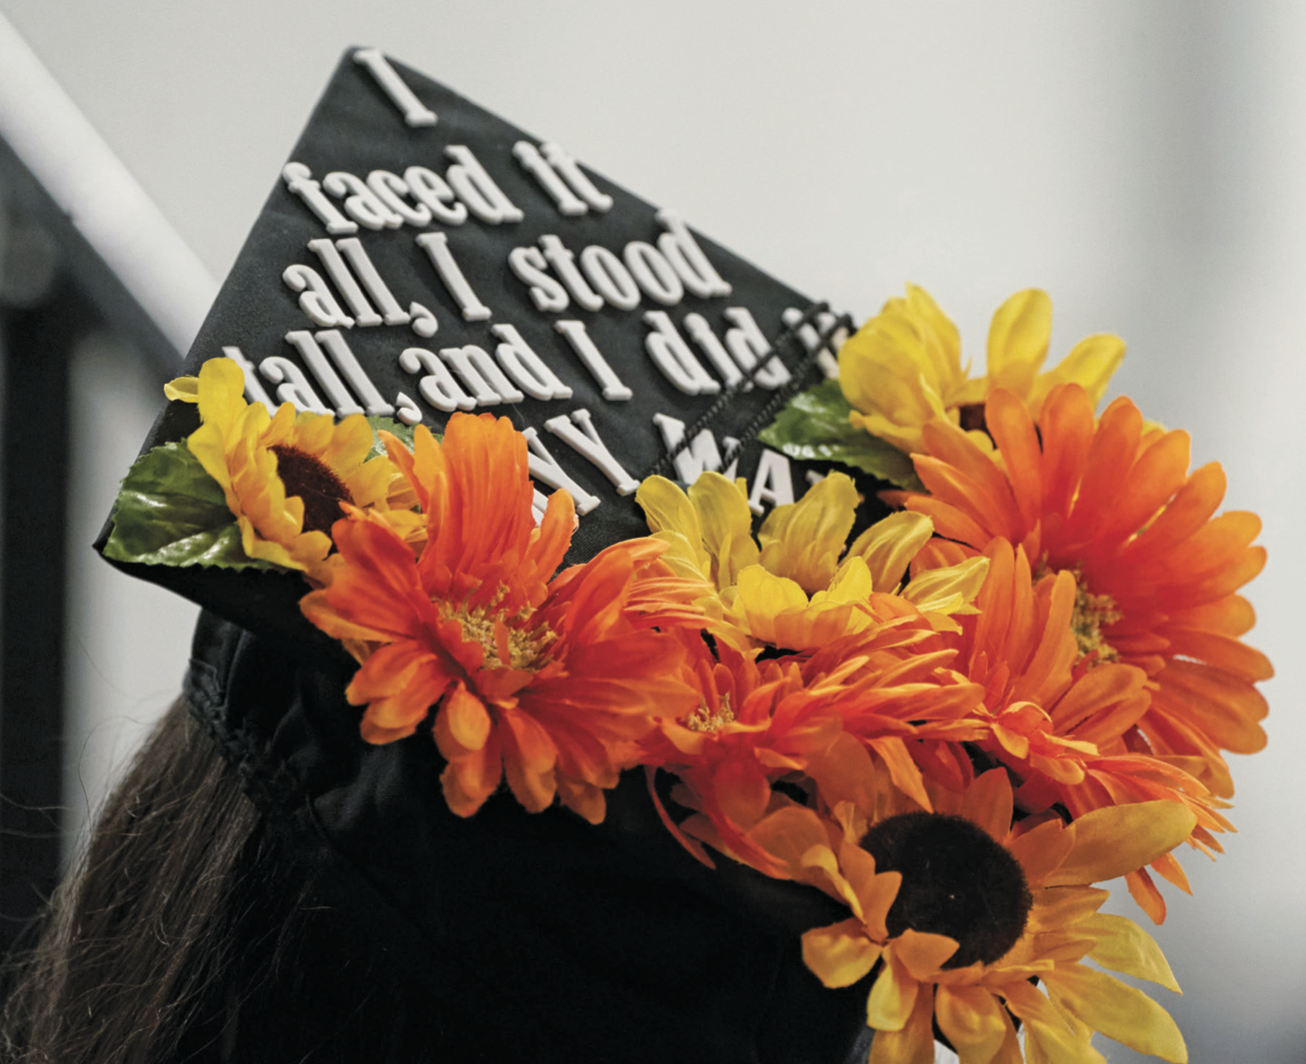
<point>139,938</point>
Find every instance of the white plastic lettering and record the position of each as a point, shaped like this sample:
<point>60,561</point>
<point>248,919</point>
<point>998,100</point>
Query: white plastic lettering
<point>344,281</point>
<point>701,333</point>
<point>586,442</point>
<point>253,386</point>
<point>299,181</point>
<point>687,258</point>
<point>747,343</point>
<point>414,111</point>
<point>588,352</point>
<point>433,192</point>
<point>773,483</point>
<point>316,298</point>
<point>701,454</point>
<point>610,277</point>
<point>562,259</point>
<point>534,164</point>
<point>673,357</point>
<point>436,246</point>
<point>345,361</point>
<point>361,203</point>
<point>545,468</point>
<point>306,345</point>
<point>476,188</point>
<point>353,250</point>
<point>650,268</point>
<point>565,164</point>
<point>525,367</point>
<point>390,189</point>
<point>480,375</point>
<point>530,267</point>
<point>292,385</point>
<point>438,387</point>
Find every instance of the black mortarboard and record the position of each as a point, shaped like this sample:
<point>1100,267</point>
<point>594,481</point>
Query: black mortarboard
<point>418,256</point>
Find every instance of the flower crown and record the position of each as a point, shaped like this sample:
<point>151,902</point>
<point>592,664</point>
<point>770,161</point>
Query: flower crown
<point>1021,683</point>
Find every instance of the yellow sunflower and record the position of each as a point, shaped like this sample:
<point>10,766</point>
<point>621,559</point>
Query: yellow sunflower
<point>284,475</point>
<point>800,585</point>
<point>903,367</point>
<point>986,926</point>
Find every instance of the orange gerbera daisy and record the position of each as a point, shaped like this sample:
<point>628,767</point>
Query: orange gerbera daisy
<point>1111,502</point>
<point>547,684</point>
<point>286,475</point>
<point>1052,721</point>
<point>973,925</point>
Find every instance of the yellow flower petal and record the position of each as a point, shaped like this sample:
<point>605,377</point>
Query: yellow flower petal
<point>803,540</point>
<point>973,1021</point>
<point>1126,947</point>
<point>1112,841</point>
<point>840,954</point>
<point>1118,1011</point>
<point>893,997</point>
<point>888,547</point>
<point>1018,340</point>
<point>186,389</point>
<point>913,1043</point>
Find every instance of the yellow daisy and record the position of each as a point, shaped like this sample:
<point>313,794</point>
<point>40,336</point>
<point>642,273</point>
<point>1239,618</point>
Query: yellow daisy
<point>799,585</point>
<point>284,475</point>
<point>987,926</point>
<point>903,367</point>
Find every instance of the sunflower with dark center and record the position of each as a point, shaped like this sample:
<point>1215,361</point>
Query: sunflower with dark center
<point>285,476</point>
<point>956,881</point>
<point>982,925</point>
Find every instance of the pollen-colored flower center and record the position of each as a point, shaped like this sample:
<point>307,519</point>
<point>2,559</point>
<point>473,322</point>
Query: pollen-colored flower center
<point>704,719</point>
<point>314,482</point>
<point>506,644</point>
<point>1093,613</point>
<point>957,880</point>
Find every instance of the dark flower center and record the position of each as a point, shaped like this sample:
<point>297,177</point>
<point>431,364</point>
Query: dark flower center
<point>313,481</point>
<point>972,417</point>
<point>956,881</point>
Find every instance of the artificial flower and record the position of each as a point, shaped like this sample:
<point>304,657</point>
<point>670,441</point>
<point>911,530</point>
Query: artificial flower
<point>987,925</point>
<point>1112,503</point>
<point>800,585</point>
<point>286,475</point>
<point>903,367</point>
<point>1058,722</point>
<point>549,684</point>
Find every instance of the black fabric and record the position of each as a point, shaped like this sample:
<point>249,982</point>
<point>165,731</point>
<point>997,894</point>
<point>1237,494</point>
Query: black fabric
<point>594,943</point>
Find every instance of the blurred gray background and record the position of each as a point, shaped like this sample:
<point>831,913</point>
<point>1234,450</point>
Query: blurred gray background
<point>1142,161</point>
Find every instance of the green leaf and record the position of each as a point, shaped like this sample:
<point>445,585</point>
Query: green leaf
<point>815,427</point>
<point>395,428</point>
<point>171,512</point>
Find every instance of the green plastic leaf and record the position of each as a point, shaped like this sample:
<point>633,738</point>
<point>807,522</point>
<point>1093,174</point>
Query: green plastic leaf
<point>395,428</point>
<point>814,427</point>
<point>171,512</point>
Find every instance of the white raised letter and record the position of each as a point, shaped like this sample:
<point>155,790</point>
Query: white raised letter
<point>476,188</point>
<point>589,354</point>
<point>414,111</point>
<point>438,387</point>
<point>560,257</point>
<point>437,247</point>
<point>299,180</point>
<point>316,298</point>
<point>565,164</point>
<point>587,443</point>
<point>529,266</point>
<point>361,203</point>
<point>533,163</point>
<point>687,258</point>
<point>292,385</point>
<point>673,357</point>
<point>700,455</point>
<point>526,367</point>
<point>773,483</point>
<point>253,386</point>
<point>543,467</point>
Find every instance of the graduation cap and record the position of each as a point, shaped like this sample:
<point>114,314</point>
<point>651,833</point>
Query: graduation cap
<point>420,256</point>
